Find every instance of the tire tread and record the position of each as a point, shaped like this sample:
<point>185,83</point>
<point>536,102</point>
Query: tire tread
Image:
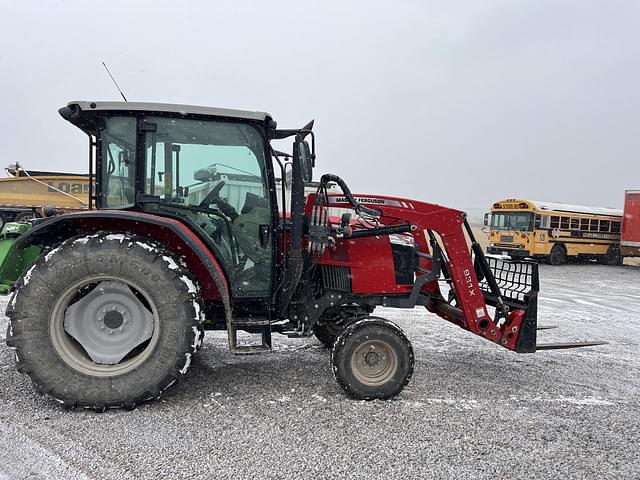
<point>66,252</point>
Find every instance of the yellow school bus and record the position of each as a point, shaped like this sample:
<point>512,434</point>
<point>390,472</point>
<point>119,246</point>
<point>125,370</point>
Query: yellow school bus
<point>554,232</point>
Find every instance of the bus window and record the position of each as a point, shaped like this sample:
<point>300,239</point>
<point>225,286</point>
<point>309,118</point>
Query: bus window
<point>555,222</point>
<point>564,223</point>
<point>584,224</point>
<point>604,225</point>
<point>615,227</point>
<point>542,222</point>
<point>575,223</point>
<point>594,225</point>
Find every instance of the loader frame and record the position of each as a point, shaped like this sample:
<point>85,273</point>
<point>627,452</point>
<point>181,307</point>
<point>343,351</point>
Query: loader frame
<point>441,237</point>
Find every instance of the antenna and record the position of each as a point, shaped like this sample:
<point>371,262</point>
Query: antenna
<point>114,81</point>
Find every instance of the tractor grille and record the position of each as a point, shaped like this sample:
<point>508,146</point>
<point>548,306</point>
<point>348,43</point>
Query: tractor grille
<point>336,278</point>
<point>506,238</point>
<point>516,279</point>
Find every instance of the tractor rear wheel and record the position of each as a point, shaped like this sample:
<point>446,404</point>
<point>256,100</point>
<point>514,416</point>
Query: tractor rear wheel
<point>372,359</point>
<point>105,321</point>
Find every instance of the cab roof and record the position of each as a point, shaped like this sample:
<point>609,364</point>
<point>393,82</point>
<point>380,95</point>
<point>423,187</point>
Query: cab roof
<point>81,113</point>
<point>170,108</point>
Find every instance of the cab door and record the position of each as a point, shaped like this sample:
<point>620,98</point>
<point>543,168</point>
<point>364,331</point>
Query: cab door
<point>213,174</point>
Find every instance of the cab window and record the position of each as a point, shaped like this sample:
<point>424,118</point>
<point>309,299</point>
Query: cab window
<point>117,162</point>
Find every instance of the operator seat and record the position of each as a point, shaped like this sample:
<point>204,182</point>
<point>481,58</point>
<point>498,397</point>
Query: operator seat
<point>246,227</point>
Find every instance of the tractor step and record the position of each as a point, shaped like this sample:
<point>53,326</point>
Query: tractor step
<point>249,322</point>
<point>260,326</point>
<point>251,349</point>
<point>562,346</point>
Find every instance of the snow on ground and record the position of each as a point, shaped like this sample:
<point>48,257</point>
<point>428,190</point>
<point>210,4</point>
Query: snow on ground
<point>473,409</point>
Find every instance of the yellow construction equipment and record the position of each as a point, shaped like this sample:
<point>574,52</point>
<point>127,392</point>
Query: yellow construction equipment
<point>24,194</point>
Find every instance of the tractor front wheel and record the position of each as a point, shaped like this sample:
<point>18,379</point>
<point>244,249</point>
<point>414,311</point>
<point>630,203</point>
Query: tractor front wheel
<point>372,359</point>
<point>105,321</point>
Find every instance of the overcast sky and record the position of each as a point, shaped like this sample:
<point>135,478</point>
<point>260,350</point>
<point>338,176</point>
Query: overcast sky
<point>454,102</point>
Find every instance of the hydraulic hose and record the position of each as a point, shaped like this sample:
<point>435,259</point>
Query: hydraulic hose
<point>357,206</point>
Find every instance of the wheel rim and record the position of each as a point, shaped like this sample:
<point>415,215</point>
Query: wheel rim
<point>104,326</point>
<point>374,362</point>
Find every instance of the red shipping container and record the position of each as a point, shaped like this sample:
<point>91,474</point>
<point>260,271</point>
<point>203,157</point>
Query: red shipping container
<point>630,235</point>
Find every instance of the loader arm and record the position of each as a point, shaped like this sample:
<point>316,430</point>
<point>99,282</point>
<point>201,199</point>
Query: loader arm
<point>441,237</point>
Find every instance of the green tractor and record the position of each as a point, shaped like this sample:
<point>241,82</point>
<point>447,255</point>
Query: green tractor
<point>13,260</point>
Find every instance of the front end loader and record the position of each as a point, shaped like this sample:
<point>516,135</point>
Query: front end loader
<point>197,223</point>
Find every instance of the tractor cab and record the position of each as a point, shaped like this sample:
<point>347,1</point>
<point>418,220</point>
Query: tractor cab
<point>212,169</point>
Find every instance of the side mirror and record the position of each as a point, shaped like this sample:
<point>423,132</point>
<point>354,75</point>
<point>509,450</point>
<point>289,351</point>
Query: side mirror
<point>305,158</point>
<point>486,219</point>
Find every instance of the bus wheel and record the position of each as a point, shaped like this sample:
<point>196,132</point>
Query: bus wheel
<point>557,256</point>
<point>612,257</point>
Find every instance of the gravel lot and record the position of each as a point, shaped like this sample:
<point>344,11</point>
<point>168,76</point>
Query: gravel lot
<point>473,410</point>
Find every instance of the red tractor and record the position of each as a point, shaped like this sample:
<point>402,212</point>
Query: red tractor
<point>192,231</point>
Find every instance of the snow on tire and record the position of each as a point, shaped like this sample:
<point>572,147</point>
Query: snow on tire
<point>105,320</point>
<point>372,359</point>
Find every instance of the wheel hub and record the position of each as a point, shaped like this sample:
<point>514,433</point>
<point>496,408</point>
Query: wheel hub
<point>374,362</point>
<point>113,319</point>
<point>371,358</point>
<point>109,322</point>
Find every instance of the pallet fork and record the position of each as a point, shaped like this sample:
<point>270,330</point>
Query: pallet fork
<point>510,284</point>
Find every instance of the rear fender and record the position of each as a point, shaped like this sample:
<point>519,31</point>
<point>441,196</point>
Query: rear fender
<point>172,233</point>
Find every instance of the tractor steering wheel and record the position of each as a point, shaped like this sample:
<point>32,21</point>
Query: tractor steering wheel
<point>214,197</point>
